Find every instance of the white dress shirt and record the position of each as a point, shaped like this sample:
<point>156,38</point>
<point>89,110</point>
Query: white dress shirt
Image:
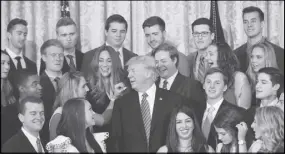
<point>32,139</point>
<point>13,56</point>
<point>170,81</point>
<point>120,50</point>
<point>216,106</point>
<point>150,98</point>
<point>273,103</point>
<point>72,54</point>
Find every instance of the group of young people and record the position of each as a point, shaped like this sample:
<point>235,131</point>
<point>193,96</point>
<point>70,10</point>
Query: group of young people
<point>212,100</point>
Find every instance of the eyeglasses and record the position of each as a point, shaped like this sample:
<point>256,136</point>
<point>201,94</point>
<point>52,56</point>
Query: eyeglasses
<point>203,34</point>
<point>54,55</point>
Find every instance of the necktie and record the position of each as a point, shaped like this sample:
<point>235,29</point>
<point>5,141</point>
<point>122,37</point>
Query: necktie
<point>56,80</point>
<point>201,69</point>
<point>40,150</point>
<point>19,66</point>
<point>118,53</point>
<point>145,110</point>
<point>165,84</point>
<point>206,126</point>
<point>71,64</point>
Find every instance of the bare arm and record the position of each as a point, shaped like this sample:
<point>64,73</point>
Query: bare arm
<point>242,129</point>
<point>53,125</point>
<point>242,90</point>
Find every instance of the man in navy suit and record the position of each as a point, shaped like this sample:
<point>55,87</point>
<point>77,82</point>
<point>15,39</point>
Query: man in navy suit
<point>31,114</point>
<point>17,33</point>
<point>67,34</point>
<point>215,85</point>
<point>116,28</point>
<point>140,118</point>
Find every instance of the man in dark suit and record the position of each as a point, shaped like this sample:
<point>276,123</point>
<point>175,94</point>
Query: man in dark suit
<point>203,34</point>
<point>67,34</point>
<point>17,33</point>
<point>115,30</point>
<point>155,34</point>
<point>215,85</point>
<point>140,118</point>
<point>31,114</point>
<point>53,56</point>
<point>253,22</point>
<point>167,59</point>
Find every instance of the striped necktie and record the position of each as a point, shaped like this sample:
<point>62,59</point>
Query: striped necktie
<point>145,110</point>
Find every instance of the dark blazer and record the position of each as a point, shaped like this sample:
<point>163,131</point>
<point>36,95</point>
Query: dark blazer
<point>187,87</point>
<point>65,68</point>
<point>19,143</point>
<point>192,63</point>
<point>244,59</point>
<point>88,56</point>
<point>48,97</point>
<point>13,73</point>
<point>200,109</point>
<point>128,133</point>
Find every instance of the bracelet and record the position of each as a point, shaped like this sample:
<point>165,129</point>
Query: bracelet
<point>240,142</point>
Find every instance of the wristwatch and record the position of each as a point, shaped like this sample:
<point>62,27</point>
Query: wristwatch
<point>240,142</point>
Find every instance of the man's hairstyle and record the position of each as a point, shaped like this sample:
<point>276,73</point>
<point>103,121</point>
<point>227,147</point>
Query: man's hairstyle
<point>65,21</point>
<point>173,52</point>
<point>49,43</point>
<point>276,77</point>
<point>154,20</point>
<point>253,9</point>
<point>28,99</point>
<point>23,76</point>
<point>203,21</point>
<point>115,18</point>
<point>14,22</point>
<point>217,70</point>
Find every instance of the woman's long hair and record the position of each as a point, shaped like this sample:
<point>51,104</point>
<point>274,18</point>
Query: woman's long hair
<point>270,61</point>
<point>96,80</point>
<point>270,120</point>
<point>67,88</point>
<point>172,139</point>
<point>7,95</point>
<point>228,119</point>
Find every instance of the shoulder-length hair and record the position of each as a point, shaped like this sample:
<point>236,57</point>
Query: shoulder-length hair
<point>172,139</point>
<point>270,120</point>
<point>67,88</point>
<point>95,78</point>
<point>7,94</point>
<point>227,60</point>
<point>228,119</point>
<point>270,60</point>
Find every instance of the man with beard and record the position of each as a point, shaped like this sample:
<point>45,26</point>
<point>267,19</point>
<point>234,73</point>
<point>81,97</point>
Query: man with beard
<point>203,36</point>
<point>253,22</point>
<point>154,30</point>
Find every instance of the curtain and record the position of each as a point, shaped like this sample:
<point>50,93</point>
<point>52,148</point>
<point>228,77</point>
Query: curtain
<point>90,17</point>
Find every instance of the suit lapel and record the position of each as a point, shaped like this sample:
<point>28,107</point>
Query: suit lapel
<point>78,59</point>
<point>158,106</point>
<point>25,142</point>
<point>176,83</point>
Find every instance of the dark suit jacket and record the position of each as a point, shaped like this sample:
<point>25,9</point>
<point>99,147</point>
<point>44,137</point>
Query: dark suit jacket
<point>187,87</point>
<point>88,56</point>
<point>18,143</point>
<point>192,63</point>
<point>244,59</point>
<point>48,97</point>
<point>13,73</point>
<point>200,109</point>
<point>128,133</point>
<point>65,68</point>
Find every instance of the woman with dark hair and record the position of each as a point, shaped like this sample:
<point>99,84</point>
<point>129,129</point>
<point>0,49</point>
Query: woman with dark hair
<point>73,129</point>
<point>9,113</point>
<point>225,126</point>
<point>238,91</point>
<point>184,133</point>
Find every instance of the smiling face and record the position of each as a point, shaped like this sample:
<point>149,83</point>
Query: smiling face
<point>18,36</point>
<point>32,87</point>
<point>224,135</point>
<point>33,117</point>
<point>5,65</point>
<point>214,85</point>
<point>154,36</point>
<point>212,56</point>
<point>116,34</point>
<point>252,24</point>
<point>89,115</point>
<point>257,59</point>
<point>264,87</point>
<point>202,42</point>
<point>184,125</point>
<point>164,64</point>
<point>105,63</point>
<point>67,35</point>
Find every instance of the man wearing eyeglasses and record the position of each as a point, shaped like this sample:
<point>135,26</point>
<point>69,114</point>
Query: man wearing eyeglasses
<point>203,36</point>
<point>53,56</point>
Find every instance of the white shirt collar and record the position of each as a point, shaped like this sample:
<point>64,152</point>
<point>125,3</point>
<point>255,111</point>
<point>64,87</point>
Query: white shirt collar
<point>216,106</point>
<point>13,54</point>
<point>32,139</point>
<point>70,53</point>
<point>120,49</point>
<point>170,80</point>
<point>151,97</point>
<point>52,76</point>
<point>273,103</point>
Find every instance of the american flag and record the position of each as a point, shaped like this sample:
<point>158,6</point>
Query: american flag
<point>217,26</point>
<point>65,9</point>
